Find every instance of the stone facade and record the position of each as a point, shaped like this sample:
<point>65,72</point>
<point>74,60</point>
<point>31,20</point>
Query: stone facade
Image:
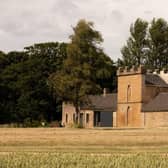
<point>156,119</point>
<point>130,90</point>
<point>68,114</point>
<point>137,88</point>
<point>100,113</point>
<point>142,101</point>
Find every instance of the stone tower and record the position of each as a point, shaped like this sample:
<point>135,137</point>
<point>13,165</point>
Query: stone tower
<point>131,83</point>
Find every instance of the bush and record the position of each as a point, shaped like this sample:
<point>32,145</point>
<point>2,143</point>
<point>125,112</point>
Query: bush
<point>55,124</point>
<point>28,122</point>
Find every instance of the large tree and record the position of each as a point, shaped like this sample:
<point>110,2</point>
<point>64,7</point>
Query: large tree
<point>147,45</point>
<point>86,63</point>
<point>133,53</point>
<point>158,44</point>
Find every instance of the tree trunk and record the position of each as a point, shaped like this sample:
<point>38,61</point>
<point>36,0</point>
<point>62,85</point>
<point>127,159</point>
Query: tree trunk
<point>77,114</point>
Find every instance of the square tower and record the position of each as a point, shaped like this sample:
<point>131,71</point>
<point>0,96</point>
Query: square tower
<point>131,83</point>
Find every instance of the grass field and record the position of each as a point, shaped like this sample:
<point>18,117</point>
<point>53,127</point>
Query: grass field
<point>60,147</point>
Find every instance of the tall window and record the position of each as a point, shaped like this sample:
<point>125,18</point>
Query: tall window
<point>128,93</point>
<point>128,116</point>
<point>66,118</point>
<point>74,118</point>
<point>87,118</point>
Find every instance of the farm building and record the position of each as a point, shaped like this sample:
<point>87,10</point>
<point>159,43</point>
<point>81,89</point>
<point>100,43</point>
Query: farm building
<point>141,101</point>
<point>99,112</point>
<point>142,98</point>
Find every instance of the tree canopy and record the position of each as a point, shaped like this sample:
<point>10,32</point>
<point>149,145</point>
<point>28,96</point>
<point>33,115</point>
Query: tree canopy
<point>85,65</point>
<point>147,45</point>
<point>24,90</point>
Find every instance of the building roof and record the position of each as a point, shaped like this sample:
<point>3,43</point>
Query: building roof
<point>159,103</point>
<point>106,102</point>
<point>154,79</point>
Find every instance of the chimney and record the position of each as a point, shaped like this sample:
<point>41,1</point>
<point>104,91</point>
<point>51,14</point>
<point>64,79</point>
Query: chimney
<point>105,91</point>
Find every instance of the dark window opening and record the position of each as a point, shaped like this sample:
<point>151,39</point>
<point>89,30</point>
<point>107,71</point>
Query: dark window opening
<point>66,118</point>
<point>128,116</point>
<point>97,118</point>
<point>74,119</point>
<point>128,93</point>
<point>87,118</point>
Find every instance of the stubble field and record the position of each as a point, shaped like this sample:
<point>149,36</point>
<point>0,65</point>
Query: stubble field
<point>60,147</point>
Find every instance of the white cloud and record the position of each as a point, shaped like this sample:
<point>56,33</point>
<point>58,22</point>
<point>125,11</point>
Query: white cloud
<point>24,22</point>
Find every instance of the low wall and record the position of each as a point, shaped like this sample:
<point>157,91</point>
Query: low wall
<point>156,119</point>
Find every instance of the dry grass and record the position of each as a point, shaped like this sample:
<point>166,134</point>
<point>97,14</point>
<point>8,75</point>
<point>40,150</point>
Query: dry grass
<point>83,140</point>
<point>54,147</point>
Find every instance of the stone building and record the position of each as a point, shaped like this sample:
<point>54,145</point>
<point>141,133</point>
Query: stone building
<point>142,98</point>
<point>99,112</point>
<point>141,101</point>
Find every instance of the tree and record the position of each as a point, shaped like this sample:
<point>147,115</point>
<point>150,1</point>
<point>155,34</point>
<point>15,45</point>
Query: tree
<point>37,98</point>
<point>147,45</point>
<point>86,63</point>
<point>8,88</point>
<point>24,89</point>
<point>158,44</point>
<point>133,53</point>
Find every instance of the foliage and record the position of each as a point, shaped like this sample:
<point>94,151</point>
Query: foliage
<point>133,52</point>
<point>24,89</point>
<point>147,45</point>
<point>86,63</point>
<point>158,44</point>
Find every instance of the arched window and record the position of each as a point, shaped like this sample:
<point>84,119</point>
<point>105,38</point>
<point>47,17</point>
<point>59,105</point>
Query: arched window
<point>87,118</point>
<point>66,118</point>
<point>129,93</point>
<point>128,116</point>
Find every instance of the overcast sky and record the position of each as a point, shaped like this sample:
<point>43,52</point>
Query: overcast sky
<point>25,22</point>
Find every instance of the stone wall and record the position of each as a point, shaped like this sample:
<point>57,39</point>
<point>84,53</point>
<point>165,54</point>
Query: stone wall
<point>156,119</point>
<point>68,114</point>
<point>135,82</point>
<point>132,93</point>
<point>129,115</point>
<point>130,97</point>
<point>88,119</point>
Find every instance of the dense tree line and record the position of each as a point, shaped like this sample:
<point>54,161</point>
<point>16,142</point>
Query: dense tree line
<point>25,95</point>
<point>147,45</point>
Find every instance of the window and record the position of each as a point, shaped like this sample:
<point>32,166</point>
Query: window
<point>74,119</point>
<point>66,118</point>
<point>128,93</point>
<point>128,116</point>
<point>87,118</point>
<point>97,118</point>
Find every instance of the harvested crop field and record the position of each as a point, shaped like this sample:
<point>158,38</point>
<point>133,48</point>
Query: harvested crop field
<point>60,147</point>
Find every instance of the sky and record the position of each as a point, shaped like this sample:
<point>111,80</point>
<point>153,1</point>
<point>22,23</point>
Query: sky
<point>25,22</point>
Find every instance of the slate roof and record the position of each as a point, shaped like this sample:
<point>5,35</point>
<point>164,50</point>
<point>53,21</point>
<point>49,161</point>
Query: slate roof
<point>159,103</point>
<point>101,102</point>
<point>154,79</point>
